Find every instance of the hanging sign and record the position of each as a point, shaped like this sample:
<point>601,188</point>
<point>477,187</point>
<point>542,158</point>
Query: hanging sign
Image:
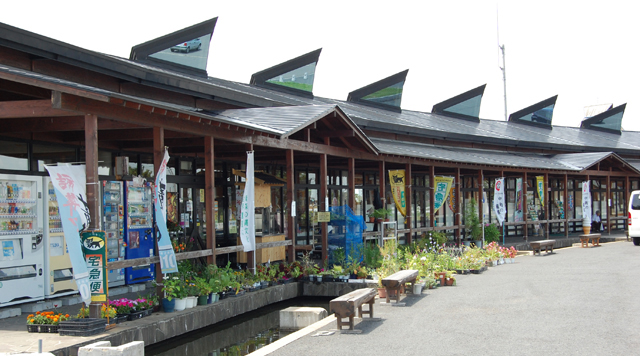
<point>570,201</point>
<point>70,187</point>
<point>167,256</point>
<point>95,253</point>
<point>498,200</point>
<point>396,180</point>
<point>451,199</point>
<point>519,200</point>
<point>247,220</point>
<point>586,204</point>
<point>442,186</point>
<point>540,186</point>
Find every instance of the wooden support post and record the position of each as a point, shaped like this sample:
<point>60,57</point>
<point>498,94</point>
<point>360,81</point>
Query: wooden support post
<point>408,209</point>
<point>351,182</point>
<point>382,173</point>
<point>210,196</point>
<point>158,155</point>
<point>480,197</point>
<point>606,204</point>
<point>250,254</point>
<point>432,217</point>
<point>566,205</point>
<point>627,195</point>
<point>291,221</point>
<point>456,202</point>
<point>323,194</point>
<point>93,192</point>
<point>545,204</point>
<point>91,159</point>
<point>525,210</point>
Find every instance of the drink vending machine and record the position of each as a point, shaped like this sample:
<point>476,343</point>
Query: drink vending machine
<point>21,240</point>
<point>58,271</point>
<point>139,236</point>
<point>113,226</point>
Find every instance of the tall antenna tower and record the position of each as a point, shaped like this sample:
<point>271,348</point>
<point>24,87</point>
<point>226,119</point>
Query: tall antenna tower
<point>503,67</point>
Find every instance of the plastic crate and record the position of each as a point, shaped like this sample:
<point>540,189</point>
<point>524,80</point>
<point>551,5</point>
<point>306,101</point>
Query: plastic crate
<point>82,327</point>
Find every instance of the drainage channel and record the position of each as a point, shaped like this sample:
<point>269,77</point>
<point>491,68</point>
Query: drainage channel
<point>236,336</point>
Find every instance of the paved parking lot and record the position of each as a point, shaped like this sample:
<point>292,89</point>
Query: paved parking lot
<point>577,301</point>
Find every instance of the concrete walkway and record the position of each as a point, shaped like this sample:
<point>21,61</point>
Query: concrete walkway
<point>576,301</point>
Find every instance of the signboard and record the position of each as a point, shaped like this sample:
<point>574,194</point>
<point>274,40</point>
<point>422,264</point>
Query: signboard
<point>498,200</point>
<point>519,200</point>
<point>586,204</point>
<point>324,216</point>
<point>247,217</point>
<point>442,186</point>
<point>540,186</point>
<point>167,256</point>
<point>94,248</point>
<point>397,182</point>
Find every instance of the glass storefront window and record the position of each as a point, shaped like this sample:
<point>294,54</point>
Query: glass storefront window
<point>14,155</point>
<point>51,154</point>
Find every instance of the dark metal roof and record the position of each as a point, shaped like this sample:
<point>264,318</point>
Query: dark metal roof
<point>406,122</point>
<point>565,162</point>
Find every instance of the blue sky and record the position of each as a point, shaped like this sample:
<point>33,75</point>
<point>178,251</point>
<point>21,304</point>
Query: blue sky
<point>586,54</point>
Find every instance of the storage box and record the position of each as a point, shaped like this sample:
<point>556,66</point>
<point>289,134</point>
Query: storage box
<point>82,327</point>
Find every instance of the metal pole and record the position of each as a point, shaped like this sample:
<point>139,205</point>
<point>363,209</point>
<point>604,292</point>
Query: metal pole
<point>504,80</point>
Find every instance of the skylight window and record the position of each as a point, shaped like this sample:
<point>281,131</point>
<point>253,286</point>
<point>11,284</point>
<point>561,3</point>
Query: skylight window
<point>192,53</point>
<point>384,94</point>
<point>391,95</point>
<point>540,114</point>
<point>300,78</point>
<point>609,121</point>
<point>464,106</point>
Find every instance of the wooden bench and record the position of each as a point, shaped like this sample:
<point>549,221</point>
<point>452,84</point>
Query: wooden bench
<point>595,239</point>
<point>345,305</point>
<point>395,281</point>
<point>538,245</point>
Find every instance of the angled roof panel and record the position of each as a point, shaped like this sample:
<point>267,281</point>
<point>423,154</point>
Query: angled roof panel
<point>464,106</point>
<point>608,121</point>
<point>295,76</point>
<point>182,50</point>
<point>383,94</point>
<point>539,114</point>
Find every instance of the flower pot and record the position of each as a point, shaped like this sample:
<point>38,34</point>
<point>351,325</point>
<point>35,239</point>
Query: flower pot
<point>441,276</point>
<point>494,263</point>
<point>501,261</point>
<point>478,243</point>
<point>202,300</point>
<point>135,315</point>
<point>382,293</point>
<point>449,281</point>
<point>168,305</point>
<point>417,288</point>
<point>191,302</point>
<point>181,304</point>
<point>319,278</point>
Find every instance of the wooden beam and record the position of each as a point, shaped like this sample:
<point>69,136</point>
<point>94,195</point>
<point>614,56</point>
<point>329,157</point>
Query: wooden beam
<point>31,108</point>
<point>335,133</point>
<point>158,156</point>
<point>291,221</point>
<point>91,159</point>
<point>210,195</point>
<point>351,182</point>
<point>408,223</point>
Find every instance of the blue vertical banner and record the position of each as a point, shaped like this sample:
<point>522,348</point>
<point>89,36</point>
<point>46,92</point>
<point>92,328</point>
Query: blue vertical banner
<point>247,219</point>
<point>165,249</point>
<point>69,183</point>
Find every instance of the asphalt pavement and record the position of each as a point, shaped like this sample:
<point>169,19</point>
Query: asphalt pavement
<point>576,301</point>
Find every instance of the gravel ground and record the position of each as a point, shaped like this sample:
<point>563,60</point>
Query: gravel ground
<point>576,301</point>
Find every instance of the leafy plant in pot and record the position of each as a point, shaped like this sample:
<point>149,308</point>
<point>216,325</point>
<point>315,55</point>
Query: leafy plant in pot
<point>472,225</point>
<point>380,214</point>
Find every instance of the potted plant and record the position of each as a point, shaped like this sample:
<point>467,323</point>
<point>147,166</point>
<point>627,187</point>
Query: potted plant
<point>472,225</point>
<point>380,214</point>
<point>491,233</point>
<point>204,289</point>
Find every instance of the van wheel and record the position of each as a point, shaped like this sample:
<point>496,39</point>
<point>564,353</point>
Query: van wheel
<point>636,241</point>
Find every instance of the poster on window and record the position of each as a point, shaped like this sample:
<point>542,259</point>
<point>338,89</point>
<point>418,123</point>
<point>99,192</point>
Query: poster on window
<point>498,200</point>
<point>586,204</point>
<point>540,186</point>
<point>442,187</point>
<point>519,200</point>
<point>396,180</point>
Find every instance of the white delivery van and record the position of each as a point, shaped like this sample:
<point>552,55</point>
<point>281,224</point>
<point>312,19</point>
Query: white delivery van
<point>634,217</point>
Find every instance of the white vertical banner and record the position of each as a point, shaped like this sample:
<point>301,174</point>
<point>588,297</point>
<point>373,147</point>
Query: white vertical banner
<point>498,200</point>
<point>69,183</point>
<point>586,204</point>
<point>247,219</point>
<point>167,256</point>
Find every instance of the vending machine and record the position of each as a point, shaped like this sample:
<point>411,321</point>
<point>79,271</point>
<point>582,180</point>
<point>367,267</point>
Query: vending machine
<point>139,236</point>
<point>58,278</point>
<point>21,240</point>
<point>113,226</point>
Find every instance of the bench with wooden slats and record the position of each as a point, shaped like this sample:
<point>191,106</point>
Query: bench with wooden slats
<point>397,280</point>
<point>345,305</point>
<point>538,245</point>
<point>595,239</point>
